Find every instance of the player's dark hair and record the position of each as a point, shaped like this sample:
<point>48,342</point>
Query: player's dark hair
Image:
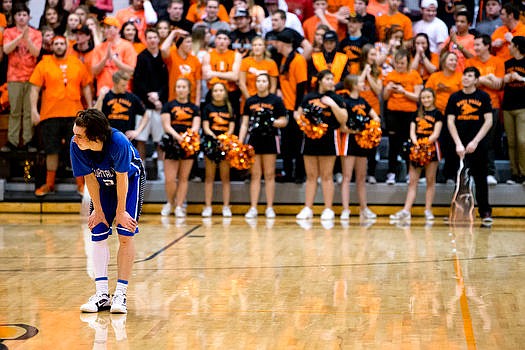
<point>96,124</point>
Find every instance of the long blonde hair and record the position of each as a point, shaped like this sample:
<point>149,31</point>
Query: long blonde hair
<point>266,53</point>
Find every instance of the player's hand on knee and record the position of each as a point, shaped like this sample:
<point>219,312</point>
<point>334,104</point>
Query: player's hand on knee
<point>96,218</point>
<point>125,220</point>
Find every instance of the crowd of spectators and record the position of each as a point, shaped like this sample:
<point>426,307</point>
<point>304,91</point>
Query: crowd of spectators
<point>134,59</point>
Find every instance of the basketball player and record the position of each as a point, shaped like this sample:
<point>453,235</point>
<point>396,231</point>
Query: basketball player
<point>115,180</point>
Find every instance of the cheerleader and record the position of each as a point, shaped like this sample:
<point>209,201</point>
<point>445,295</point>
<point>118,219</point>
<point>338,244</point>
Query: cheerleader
<point>319,154</point>
<point>263,114</point>
<point>426,124</point>
<point>353,156</point>
<point>217,118</point>
<point>178,116</point>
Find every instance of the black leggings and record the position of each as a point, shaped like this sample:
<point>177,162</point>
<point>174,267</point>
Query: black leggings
<point>398,131</point>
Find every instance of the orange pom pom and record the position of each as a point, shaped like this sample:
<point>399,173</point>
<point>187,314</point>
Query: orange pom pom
<point>311,131</point>
<point>371,136</point>
<point>191,142</point>
<point>422,153</point>
<point>239,155</point>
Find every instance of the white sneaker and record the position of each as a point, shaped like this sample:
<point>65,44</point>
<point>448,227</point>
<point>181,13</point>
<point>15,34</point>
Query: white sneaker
<point>97,302</point>
<point>226,211</point>
<point>407,179</point>
<point>367,214</point>
<point>401,215</point>
<point>180,212</point>
<point>491,180</point>
<point>166,209</point>
<point>118,304</point>
<point>451,182</point>
<point>251,213</point>
<point>422,180</point>
<point>390,179</point>
<point>429,216</point>
<point>305,213</point>
<point>270,213</point>
<point>345,214</point>
<point>328,214</point>
<point>371,180</point>
<point>206,212</point>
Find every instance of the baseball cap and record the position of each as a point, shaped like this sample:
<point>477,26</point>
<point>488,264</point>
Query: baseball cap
<point>285,37</point>
<point>330,36</point>
<point>84,29</point>
<point>427,3</point>
<point>111,21</point>
<point>240,12</point>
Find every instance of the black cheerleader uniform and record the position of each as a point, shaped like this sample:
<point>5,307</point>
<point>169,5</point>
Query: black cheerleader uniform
<point>263,138</point>
<point>425,127</point>
<point>328,144</point>
<point>181,119</point>
<point>219,118</point>
<point>348,145</point>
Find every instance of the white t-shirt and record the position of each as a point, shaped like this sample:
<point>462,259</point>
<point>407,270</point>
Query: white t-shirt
<point>436,30</point>
<point>292,21</point>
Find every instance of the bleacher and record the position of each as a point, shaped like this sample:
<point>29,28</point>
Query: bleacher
<point>21,171</point>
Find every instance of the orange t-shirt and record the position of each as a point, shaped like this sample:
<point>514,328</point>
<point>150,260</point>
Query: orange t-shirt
<point>197,14</point>
<point>178,67</point>
<point>503,52</point>
<point>310,26</point>
<point>386,21</point>
<point>398,101</point>
<point>124,49</point>
<point>335,5</point>
<point>62,81</point>
<point>296,74</point>
<point>139,47</point>
<point>20,63</point>
<point>3,20</point>
<point>269,66</point>
<point>444,86</point>
<point>130,14</point>
<point>467,41</point>
<point>494,65</point>
<point>377,9</point>
<point>86,58</point>
<point>223,62</point>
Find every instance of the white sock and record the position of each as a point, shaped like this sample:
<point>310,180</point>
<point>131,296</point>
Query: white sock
<point>122,287</point>
<point>100,264</point>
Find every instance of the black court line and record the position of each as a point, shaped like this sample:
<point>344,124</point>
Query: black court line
<point>167,246</point>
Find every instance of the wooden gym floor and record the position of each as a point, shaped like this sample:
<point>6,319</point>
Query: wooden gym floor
<point>232,284</point>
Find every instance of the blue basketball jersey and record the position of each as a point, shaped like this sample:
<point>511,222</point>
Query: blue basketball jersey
<point>118,155</point>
